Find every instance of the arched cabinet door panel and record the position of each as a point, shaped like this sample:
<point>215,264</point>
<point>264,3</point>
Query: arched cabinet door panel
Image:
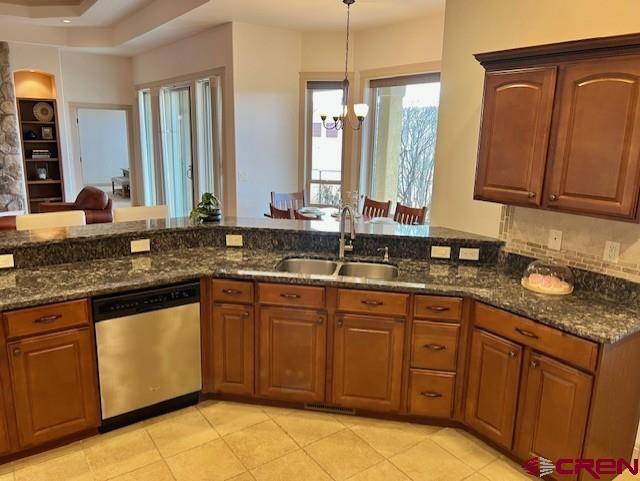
<point>594,163</point>
<point>514,136</point>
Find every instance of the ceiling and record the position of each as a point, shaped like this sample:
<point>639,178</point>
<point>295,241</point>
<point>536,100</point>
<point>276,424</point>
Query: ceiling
<point>129,26</point>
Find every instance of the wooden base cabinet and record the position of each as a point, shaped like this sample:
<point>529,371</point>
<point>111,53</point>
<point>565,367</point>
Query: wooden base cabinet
<point>55,385</point>
<point>492,387</point>
<point>292,354</point>
<point>368,353</point>
<point>554,410</point>
<point>232,343</point>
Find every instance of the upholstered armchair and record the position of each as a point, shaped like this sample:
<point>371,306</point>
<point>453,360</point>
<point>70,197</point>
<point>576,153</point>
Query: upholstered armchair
<point>95,203</point>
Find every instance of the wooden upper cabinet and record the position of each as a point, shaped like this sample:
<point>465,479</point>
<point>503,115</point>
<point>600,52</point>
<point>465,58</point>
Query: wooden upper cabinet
<point>594,166</point>
<point>232,349</point>
<point>367,372</point>
<point>492,389</point>
<point>54,385</point>
<point>514,136</point>
<point>554,410</point>
<point>292,354</point>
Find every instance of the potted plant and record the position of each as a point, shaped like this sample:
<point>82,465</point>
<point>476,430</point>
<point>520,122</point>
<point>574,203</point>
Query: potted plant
<point>208,209</point>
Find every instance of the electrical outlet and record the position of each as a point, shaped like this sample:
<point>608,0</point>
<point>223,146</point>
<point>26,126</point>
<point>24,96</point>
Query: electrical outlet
<point>6,261</point>
<point>555,240</point>
<point>440,252</point>
<point>234,240</point>
<point>140,245</point>
<point>468,254</point>
<point>611,251</point>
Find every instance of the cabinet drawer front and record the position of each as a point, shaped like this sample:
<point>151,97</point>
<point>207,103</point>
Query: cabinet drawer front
<point>290,296</point>
<point>39,320</point>
<point>434,345</point>
<point>431,393</point>
<point>236,292</point>
<point>432,307</point>
<point>572,349</point>
<point>371,302</point>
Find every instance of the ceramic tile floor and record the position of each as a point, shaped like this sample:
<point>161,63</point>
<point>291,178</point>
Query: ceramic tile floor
<point>218,441</point>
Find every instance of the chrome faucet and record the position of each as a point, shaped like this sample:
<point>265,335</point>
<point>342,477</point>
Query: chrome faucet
<point>344,247</point>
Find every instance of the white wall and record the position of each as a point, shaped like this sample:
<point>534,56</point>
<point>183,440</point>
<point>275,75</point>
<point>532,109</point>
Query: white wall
<point>266,76</point>
<point>471,27</point>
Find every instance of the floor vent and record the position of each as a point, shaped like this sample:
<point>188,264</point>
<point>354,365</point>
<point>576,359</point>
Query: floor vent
<point>325,408</point>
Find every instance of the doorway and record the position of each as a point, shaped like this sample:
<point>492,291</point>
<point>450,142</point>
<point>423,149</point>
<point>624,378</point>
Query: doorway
<point>104,151</point>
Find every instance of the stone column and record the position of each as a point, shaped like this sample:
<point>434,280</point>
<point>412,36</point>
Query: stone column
<point>12,195</point>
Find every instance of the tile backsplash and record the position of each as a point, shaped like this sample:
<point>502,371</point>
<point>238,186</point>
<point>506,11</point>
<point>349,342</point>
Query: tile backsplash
<point>526,232</point>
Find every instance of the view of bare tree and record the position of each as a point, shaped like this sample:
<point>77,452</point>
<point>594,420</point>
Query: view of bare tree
<point>417,152</point>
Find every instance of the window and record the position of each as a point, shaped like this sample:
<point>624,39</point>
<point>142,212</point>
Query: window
<point>402,138</point>
<point>324,148</point>
<point>146,147</point>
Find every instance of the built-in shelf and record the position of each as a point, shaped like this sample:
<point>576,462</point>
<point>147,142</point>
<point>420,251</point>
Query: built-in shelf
<point>51,189</point>
<point>43,182</point>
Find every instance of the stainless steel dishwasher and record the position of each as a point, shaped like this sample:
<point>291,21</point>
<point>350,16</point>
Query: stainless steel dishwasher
<point>148,346</point>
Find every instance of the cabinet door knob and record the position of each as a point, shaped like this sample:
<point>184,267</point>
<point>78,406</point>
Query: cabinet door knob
<point>17,352</point>
<point>531,195</point>
<point>534,364</point>
<point>340,322</point>
<point>553,197</point>
<point>320,320</point>
<point>513,353</point>
<point>245,314</point>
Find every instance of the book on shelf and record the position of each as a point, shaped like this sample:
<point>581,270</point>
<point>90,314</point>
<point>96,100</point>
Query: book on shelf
<point>40,154</point>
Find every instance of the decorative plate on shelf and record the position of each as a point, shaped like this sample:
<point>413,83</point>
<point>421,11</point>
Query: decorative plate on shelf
<point>43,112</point>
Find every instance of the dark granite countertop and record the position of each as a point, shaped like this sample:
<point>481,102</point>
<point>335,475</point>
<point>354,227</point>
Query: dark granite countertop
<point>13,239</point>
<point>584,313</point>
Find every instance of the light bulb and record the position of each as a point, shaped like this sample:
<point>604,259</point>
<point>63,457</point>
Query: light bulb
<point>361,110</point>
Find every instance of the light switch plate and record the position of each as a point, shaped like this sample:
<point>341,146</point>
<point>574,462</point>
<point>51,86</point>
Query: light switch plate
<point>234,240</point>
<point>555,240</point>
<point>6,261</point>
<point>440,252</point>
<point>469,254</point>
<point>611,251</point>
<point>140,245</point>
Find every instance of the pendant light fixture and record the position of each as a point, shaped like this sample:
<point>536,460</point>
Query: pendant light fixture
<point>360,111</point>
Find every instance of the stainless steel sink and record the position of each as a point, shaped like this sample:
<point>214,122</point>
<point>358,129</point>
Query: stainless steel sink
<point>368,270</point>
<point>307,266</point>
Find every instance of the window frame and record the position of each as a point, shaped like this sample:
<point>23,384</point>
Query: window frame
<point>309,87</point>
<point>368,146</point>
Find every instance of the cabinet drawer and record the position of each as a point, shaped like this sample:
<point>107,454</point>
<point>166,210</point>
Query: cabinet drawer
<point>432,307</point>
<point>431,393</point>
<point>572,349</point>
<point>235,292</point>
<point>39,320</point>
<point>291,296</point>
<point>371,302</point>
<point>434,345</point>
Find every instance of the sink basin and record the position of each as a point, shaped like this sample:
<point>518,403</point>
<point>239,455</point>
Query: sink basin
<point>307,266</point>
<point>368,270</point>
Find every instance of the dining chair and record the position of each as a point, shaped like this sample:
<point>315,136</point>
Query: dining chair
<point>374,208</point>
<point>294,200</point>
<point>279,213</point>
<point>131,214</point>
<point>410,215</point>
<point>51,220</point>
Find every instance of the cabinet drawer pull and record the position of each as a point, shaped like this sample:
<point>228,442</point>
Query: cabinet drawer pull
<point>526,333</point>
<point>370,302</point>
<point>287,295</point>
<point>435,347</point>
<point>431,394</point>
<point>17,352</point>
<point>232,292</point>
<point>48,319</point>
<point>438,308</point>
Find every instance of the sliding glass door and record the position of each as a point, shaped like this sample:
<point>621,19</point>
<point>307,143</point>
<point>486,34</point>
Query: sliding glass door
<point>177,160</point>
<point>180,142</point>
